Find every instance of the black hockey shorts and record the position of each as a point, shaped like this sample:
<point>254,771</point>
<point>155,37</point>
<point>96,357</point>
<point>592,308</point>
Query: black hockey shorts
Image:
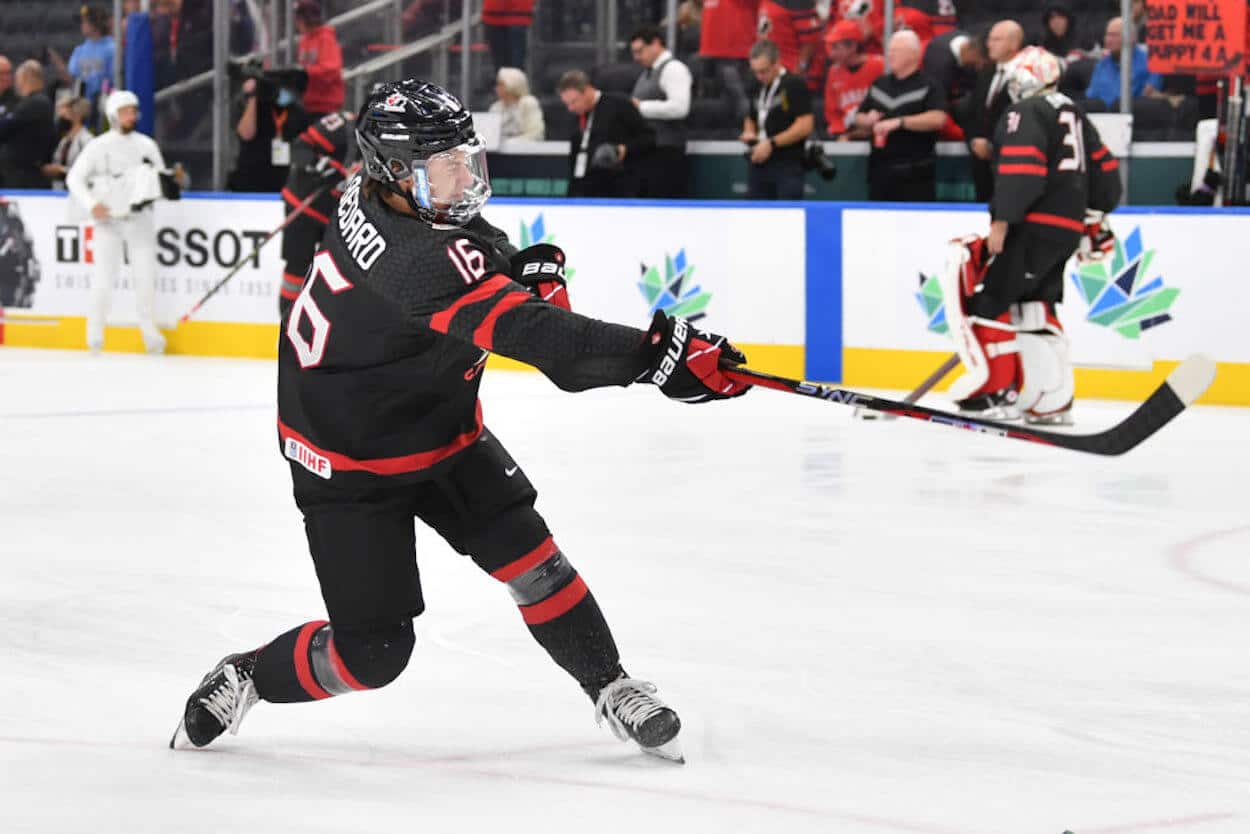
<point>1030,268</point>
<point>363,541</point>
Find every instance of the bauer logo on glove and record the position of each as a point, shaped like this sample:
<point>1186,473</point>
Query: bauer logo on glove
<point>540,269</point>
<point>687,362</point>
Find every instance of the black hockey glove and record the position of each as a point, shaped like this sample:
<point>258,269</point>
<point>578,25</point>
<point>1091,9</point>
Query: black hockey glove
<point>540,269</point>
<point>687,362</point>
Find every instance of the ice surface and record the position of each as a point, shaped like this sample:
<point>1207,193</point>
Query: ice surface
<point>866,627</point>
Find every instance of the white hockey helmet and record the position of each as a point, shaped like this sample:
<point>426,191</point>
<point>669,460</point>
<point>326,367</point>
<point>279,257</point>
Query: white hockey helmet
<point>116,101</point>
<point>1032,72</point>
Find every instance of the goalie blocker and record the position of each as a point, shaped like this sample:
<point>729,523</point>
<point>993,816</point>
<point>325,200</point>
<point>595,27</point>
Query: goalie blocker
<point>1054,179</point>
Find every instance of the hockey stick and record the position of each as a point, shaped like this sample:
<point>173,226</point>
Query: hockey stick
<point>290,218</point>
<point>1184,385</point>
<point>921,389</point>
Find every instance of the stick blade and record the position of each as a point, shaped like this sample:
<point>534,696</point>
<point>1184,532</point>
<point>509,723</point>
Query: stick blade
<point>1192,378</point>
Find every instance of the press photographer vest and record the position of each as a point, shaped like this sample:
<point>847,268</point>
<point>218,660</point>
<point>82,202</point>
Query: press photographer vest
<point>669,133</point>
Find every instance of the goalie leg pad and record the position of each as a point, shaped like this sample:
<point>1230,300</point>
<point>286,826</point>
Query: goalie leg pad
<point>1047,379</point>
<point>986,347</point>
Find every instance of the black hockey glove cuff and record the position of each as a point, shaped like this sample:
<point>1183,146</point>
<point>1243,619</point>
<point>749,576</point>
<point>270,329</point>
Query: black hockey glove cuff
<point>540,269</point>
<point>686,363</point>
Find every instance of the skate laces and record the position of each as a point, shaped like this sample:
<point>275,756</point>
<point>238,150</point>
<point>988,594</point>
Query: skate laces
<point>627,701</point>
<point>231,700</point>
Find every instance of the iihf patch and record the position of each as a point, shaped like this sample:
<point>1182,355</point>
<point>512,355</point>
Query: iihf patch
<point>317,464</point>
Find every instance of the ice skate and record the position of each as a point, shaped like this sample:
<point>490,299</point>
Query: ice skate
<point>219,704</point>
<point>633,713</point>
<point>1061,417</point>
<point>999,405</point>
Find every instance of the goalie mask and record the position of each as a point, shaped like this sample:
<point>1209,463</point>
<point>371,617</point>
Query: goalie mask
<point>417,140</point>
<point>1033,72</point>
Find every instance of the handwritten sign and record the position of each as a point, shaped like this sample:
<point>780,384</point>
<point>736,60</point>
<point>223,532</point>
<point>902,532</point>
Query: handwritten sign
<point>1187,38</point>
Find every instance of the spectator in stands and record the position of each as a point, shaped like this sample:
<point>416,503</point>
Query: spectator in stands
<point>953,60</point>
<point>165,17</point>
<point>869,15</point>
<point>851,73</point>
<point>724,44</point>
<point>522,117</point>
<point>611,137</point>
<point>507,25</point>
<point>777,130</point>
<point>1140,19</point>
<point>1059,31</point>
<point>320,55</point>
<point>91,62</point>
<point>8,96</point>
<point>941,14</point>
<point>271,120</point>
<point>989,100</point>
<point>71,114</point>
<point>907,17</point>
<point>904,111</point>
<point>795,27</point>
<point>27,133</point>
<point>1104,86</point>
<point>689,28</point>
<point>662,96</point>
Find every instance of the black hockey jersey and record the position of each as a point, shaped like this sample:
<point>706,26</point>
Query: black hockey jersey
<point>1051,165</point>
<point>380,357</point>
<point>318,158</point>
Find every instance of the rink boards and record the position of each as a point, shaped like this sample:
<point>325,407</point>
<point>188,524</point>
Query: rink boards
<point>829,291</point>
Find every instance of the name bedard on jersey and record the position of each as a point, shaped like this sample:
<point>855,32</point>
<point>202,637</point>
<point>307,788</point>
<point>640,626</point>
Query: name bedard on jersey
<point>360,237</point>
<point>381,355</point>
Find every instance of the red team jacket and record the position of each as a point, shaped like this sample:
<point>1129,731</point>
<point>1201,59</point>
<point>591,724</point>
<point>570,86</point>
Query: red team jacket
<point>507,12</point>
<point>728,28</point>
<point>792,24</point>
<point>320,55</point>
<point>845,90</point>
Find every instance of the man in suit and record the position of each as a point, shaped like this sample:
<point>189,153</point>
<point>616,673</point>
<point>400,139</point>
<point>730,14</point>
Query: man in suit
<point>611,137</point>
<point>27,132</point>
<point>989,100</point>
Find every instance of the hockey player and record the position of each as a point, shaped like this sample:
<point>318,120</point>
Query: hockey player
<point>1054,180</point>
<point>318,161</point>
<point>379,365</point>
<point>116,179</point>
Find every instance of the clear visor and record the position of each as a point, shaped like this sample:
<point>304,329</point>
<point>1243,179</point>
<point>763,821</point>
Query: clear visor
<point>453,184</point>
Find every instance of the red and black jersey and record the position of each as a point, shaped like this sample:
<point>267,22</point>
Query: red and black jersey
<point>792,25</point>
<point>380,357</point>
<point>845,90</point>
<point>1051,165</point>
<point>318,158</point>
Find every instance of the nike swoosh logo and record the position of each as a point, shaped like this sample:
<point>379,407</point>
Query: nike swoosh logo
<point>511,472</point>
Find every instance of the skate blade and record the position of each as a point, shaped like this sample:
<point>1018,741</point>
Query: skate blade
<point>1063,419</point>
<point>180,733</point>
<point>669,751</point>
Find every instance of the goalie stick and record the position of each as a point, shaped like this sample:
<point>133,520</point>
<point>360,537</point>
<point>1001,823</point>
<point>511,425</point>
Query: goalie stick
<point>1184,385</point>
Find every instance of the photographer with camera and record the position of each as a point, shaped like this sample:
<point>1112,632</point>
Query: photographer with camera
<point>904,111</point>
<point>272,119</point>
<point>777,128</point>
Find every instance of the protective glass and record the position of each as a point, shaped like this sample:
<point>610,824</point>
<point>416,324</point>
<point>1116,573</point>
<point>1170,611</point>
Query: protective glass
<point>453,184</point>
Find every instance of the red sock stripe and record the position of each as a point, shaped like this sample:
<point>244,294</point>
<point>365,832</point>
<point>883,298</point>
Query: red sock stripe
<point>561,602</point>
<point>303,668</point>
<point>484,336</point>
<point>288,293</point>
<point>441,321</point>
<point>527,562</point>
<point>340,669</point>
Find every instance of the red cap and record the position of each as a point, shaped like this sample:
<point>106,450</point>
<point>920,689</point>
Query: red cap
<point>845,30</point>
<point>915,20</point>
